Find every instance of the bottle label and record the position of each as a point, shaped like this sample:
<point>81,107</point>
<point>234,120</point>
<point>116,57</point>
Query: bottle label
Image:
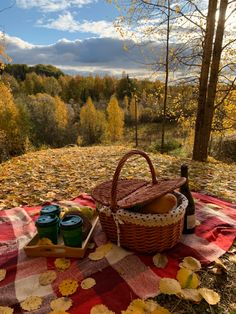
<point>191,221</point>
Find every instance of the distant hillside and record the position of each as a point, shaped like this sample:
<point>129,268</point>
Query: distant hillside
<point>19,71</point>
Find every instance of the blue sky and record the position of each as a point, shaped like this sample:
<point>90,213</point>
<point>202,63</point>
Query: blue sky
<point>43,22</point>
<point>77,36</point>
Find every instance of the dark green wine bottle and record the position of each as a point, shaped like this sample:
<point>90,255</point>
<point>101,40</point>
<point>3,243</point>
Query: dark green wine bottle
<point>189,217</point>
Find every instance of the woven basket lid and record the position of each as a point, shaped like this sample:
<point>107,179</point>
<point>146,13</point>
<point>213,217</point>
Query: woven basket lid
<point>134,192</point>
<point>119,193</point>
<point>102,192</point>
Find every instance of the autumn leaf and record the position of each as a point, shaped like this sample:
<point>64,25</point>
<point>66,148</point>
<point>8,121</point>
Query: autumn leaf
<point>209,295</point>
<point>177,9</point>
<point>232,258</point>
<point>160,260</point>
<point>191,295</point>
<point>2,274</point>
<point>61,304</point>
<point>139,306</point>
<point>169,286</point>
<point>187,278</point>
<point>220,264</point>
<point>191,263</point>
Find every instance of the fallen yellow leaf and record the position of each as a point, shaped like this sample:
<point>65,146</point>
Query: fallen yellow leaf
<point>209,295</point>
<point>191,295</point>
<point>169,286</point>
<point>187,278</point>
<point>160,260</point>
<point>101,309</point>
<point>191,263</point>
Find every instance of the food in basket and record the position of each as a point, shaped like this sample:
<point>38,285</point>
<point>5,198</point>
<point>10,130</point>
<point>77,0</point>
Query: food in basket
<point>161,205</point>
<point>44,241</point>
<point>87,211</point>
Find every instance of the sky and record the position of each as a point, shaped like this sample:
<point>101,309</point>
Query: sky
<point>78,36</point>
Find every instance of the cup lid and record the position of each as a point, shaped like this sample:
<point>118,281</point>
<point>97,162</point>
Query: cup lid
<point>50,209</point>
<point>45,221</point>
<point>71,221</point>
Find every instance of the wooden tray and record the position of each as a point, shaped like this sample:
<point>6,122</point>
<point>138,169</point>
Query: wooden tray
<point>58,250</point>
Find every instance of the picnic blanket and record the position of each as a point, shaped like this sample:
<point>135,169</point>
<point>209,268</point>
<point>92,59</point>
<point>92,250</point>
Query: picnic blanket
<point>122,275</point>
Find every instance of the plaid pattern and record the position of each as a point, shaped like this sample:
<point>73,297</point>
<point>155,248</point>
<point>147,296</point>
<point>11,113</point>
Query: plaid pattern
<point>122,275</point>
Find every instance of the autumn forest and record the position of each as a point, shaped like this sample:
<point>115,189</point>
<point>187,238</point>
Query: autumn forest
<point>50,109</point>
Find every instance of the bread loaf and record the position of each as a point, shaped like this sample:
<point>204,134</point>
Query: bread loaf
<point>160,205</point>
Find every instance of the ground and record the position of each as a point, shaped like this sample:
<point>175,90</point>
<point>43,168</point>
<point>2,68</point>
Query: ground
<point>56,174</point>
<point>64,173</point>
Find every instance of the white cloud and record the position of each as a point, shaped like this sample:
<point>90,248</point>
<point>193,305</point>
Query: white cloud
<point>66,22</point>
<point>90,56</point>
<point>109,70</point>
<point>52,5</point>
<point>17,42</point>
<point>102,56</point>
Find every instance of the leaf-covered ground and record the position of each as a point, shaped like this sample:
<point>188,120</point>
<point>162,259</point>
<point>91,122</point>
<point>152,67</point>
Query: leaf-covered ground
<point>64,173</point>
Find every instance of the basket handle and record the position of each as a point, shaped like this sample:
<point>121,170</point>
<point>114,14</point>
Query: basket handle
<point>118,170</point>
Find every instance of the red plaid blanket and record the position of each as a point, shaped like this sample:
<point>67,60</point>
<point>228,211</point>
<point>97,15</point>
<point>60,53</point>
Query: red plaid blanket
<point>120,277</point>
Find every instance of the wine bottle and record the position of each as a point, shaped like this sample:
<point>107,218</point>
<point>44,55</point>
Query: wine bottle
<point>189,217</point>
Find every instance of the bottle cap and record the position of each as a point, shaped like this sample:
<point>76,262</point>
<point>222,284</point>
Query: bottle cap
<point>71,222</point>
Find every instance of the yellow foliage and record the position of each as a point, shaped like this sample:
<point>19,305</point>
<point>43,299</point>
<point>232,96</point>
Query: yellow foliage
<point>9,116</point>
<point>115,127</point>
<point>92,123</point>
<point>4,56</point>
<point>61,112</point>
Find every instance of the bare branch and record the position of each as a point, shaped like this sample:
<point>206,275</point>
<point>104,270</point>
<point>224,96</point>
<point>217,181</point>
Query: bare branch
<point>9,7</point>
<point>226,95</point>
<point>146,2</point>
<point>229,43</point>
<point>230,14</point>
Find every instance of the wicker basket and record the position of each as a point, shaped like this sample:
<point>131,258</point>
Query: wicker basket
<point>144,233</point>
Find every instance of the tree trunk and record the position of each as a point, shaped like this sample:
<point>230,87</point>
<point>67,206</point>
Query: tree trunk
<point>166,80</point>
<point>214,77</point>
<point>203,132</point>
<point>205,68</point>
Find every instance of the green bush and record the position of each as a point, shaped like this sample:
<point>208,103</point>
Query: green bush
<point>228,148</point>
<point>169,146</point>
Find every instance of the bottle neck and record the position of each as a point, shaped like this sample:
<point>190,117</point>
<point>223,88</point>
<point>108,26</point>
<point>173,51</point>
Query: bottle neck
<point>184,171</point>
